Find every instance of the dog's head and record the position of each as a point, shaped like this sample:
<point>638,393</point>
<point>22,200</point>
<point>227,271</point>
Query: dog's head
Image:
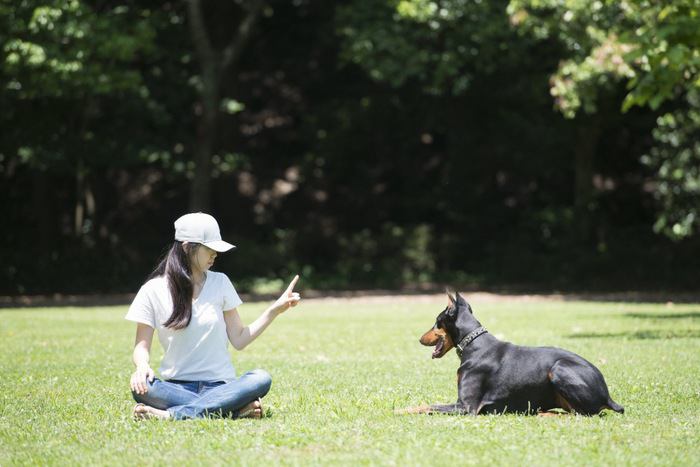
<point>450,326</point>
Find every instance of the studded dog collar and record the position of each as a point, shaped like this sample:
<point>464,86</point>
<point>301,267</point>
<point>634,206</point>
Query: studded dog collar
<point>468,339</point>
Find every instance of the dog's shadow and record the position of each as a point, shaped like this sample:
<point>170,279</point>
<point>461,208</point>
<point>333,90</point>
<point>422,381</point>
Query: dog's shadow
<point>645,334</point>
<point>694,315</point>
<point>649,333</point>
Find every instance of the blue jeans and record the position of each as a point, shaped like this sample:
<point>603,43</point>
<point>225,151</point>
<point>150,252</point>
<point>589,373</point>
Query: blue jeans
<point>199,399</point>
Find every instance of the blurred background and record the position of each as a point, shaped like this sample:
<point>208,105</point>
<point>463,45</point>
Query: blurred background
<point>401,144</point>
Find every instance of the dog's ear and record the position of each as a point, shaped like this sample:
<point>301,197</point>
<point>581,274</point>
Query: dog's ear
<point>460,301</point>
<point>451,302</point>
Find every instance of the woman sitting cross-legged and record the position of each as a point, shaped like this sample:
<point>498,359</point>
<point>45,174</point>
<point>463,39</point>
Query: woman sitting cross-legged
<point>194,311</point>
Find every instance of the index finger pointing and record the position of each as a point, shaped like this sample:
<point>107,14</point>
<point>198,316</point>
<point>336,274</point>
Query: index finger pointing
<point>293,283</point>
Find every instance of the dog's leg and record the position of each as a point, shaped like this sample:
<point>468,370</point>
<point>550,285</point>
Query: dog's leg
<point>580,387</point>
<point>445,409</point>
<point>448,409</point>
<point>413,410</point>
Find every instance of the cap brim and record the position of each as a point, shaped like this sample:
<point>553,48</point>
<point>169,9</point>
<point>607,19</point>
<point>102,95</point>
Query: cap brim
<point>219,245</point>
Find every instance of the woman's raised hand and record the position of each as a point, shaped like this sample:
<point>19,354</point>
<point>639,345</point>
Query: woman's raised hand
<point>139,379</point>
<point>288,298</point>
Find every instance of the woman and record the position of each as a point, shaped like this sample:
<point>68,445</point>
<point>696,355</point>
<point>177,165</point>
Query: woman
<point>195,312</point>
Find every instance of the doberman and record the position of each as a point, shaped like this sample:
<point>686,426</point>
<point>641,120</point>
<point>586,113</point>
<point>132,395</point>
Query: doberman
<point>497,377</point>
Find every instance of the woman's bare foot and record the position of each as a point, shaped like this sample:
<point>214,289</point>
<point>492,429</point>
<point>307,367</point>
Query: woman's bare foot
<point>252,410</point>
<point>144,412</point>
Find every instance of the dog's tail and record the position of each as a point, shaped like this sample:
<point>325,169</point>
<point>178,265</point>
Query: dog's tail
<point>612,405</point>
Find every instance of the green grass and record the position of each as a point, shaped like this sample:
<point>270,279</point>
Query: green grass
<point>339,369</point>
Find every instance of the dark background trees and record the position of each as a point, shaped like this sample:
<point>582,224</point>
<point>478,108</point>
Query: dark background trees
<point>368,144</point>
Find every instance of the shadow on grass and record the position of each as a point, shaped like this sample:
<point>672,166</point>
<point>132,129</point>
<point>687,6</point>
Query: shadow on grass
<point>647,334</point>
<point>689,315</point>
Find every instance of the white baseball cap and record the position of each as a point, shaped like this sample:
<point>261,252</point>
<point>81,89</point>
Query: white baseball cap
<point>198,227</point>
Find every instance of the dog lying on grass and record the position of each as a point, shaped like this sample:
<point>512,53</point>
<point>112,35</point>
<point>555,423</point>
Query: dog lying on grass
<point>497,377</point>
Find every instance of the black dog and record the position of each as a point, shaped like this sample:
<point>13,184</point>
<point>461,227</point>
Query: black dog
<point>497,376</point>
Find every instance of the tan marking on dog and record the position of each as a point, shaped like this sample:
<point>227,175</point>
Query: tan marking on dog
<point>559,399</point>
<point>549,414</point>
<point>561,402</point>
<point>449,345</point>
<point>413,410</point>
<point>433,337</point>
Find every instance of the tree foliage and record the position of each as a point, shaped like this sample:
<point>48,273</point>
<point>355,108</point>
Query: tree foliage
<point>654,49</point>
<point>363,144</point>
<point>69,57</point>
<point>441,45</point>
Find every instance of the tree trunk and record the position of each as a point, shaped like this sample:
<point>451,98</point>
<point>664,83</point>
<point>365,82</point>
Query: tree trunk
<point>214,66</point>
<point>206,136</point>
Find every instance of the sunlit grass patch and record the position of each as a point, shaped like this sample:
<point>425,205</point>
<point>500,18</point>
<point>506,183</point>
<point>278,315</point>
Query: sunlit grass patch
<point>339,370</point>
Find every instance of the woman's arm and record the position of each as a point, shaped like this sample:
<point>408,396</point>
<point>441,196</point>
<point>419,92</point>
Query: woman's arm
<point>141,358</point>
<point>240,336</point>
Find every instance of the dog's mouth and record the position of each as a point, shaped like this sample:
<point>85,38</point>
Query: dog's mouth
<point>438,339</point>
<point>439,347</point>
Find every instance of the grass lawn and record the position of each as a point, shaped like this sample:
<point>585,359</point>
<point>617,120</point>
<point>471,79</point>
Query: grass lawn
<point>339,369</point>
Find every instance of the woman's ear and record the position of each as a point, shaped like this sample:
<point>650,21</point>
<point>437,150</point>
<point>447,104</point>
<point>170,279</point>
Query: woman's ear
<point>188,248</point>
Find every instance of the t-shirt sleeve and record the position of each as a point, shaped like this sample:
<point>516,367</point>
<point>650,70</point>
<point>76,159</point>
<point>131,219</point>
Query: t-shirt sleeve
<point>231,298</point>
<point>141,309</point>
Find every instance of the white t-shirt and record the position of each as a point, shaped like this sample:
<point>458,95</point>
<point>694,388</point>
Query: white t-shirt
<point>198,352</point>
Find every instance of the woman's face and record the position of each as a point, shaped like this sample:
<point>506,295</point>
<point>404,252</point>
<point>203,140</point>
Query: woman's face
<point>203,259</point>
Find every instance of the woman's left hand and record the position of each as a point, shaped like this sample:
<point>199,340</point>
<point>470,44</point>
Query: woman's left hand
<point>289,297</point>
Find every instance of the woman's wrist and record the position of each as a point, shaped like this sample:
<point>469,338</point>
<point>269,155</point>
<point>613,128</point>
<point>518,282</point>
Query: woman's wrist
<point>274,311</point>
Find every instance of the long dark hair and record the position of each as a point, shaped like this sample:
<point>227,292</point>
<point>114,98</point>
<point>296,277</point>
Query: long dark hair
<point>175,266</point>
